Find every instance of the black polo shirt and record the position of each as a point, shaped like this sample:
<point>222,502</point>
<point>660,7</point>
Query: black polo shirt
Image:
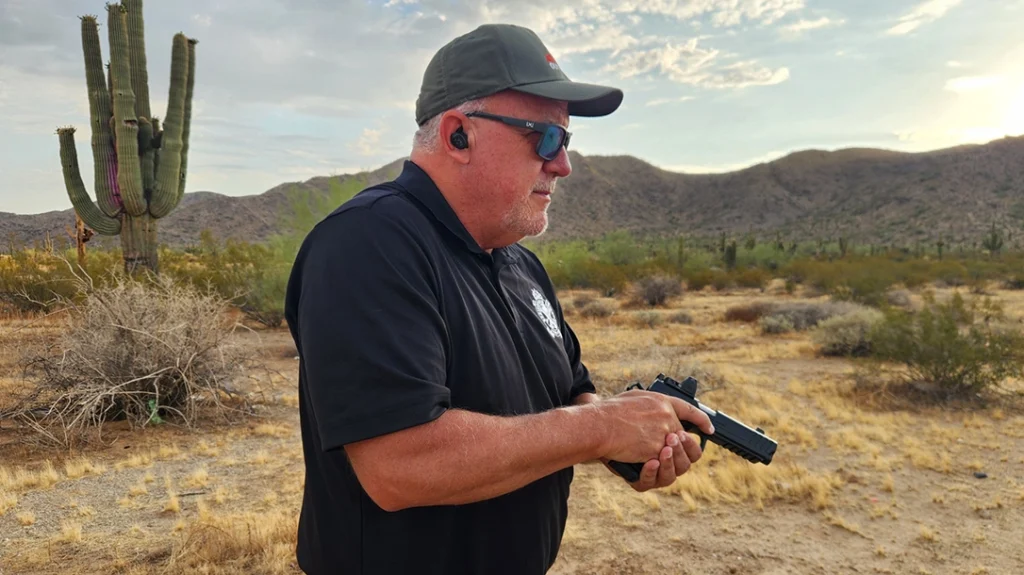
<point>399,315</point>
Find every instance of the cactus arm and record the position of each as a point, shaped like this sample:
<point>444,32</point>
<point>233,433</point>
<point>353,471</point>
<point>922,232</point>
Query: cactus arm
<point>188,116</point>
<point>100,111</point>
<point>88,211</point>
<point>146,155</point>
<point>137,56</point>
<point>157,137</point>
<point>126,128</point>
<point>168,172</point>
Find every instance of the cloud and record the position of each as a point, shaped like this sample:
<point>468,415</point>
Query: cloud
<point>721,12</point>
<point>972,83</point>
<point>368,143</point>
<point>662,101</point>
<point>689,64</point>
<point>927,11</point>
<point>802,25</point>
<point>288,87</point>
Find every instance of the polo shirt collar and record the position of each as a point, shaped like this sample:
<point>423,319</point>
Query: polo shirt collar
<point>421,186</point>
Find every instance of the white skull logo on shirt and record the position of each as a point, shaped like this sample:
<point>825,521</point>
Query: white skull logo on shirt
<point>546,313</point>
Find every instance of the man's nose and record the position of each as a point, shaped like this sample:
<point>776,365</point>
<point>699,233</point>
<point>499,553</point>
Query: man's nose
<point>560,166</point>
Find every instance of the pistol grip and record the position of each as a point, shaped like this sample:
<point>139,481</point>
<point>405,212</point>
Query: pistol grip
<point>629,471</point>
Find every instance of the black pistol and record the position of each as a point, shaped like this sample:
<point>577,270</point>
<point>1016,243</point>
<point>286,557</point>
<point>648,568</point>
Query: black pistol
<point>750,444</point>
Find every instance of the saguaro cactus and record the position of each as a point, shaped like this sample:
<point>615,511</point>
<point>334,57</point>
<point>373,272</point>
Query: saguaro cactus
<point>139,167</point>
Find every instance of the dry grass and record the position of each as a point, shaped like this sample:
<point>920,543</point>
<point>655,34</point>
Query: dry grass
<point>24,478</point>
<point>80,467</point>
<point>249,542</point>
<point>226,502</point>
<point>8,501</point>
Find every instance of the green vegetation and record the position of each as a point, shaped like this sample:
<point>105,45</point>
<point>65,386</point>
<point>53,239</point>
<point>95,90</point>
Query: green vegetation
<point>959,347</point>
<point>866,306</point>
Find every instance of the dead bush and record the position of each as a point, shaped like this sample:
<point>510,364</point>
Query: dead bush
<point>597,309</point>
<point>656,290</point>
<point>581,301</point>
<point>749,312</point>
<point>134,350</point>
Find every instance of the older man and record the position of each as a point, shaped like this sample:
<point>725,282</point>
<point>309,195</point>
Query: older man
<point>443,399</point>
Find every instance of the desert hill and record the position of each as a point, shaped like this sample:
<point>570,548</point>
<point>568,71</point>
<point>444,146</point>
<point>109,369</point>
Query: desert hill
<point>864,194</point>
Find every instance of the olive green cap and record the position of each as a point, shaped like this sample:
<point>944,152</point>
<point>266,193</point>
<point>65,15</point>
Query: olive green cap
<point>497,57</point>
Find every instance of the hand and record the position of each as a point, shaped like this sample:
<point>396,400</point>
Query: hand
<point>680,451</point>
<point>638,424</point>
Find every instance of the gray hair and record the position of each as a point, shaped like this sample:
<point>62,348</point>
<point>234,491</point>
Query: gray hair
<point>427,138</point>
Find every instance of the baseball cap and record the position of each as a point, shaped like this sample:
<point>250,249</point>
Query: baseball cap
<point>497,57</point>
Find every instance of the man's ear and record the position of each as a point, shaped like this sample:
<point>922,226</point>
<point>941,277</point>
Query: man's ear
<point>456,138</point>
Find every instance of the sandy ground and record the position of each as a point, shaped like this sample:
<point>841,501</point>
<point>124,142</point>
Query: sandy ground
<point>854,488</point>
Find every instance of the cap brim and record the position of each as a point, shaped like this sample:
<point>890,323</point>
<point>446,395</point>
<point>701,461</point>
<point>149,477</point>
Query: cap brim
<point>584,99</point>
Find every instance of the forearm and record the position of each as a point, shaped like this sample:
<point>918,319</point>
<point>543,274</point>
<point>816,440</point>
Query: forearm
<point>463,456</point>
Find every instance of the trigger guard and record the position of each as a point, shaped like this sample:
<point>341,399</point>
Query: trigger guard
<point>703,441</point>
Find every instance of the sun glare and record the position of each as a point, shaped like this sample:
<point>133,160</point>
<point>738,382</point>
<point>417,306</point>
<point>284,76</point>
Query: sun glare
<point>1013,121</point>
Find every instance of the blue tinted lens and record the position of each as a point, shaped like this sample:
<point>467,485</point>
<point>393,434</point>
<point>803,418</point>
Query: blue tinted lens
<point>549,145</point>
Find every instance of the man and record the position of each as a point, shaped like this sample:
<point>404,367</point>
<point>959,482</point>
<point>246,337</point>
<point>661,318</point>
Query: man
<point>443,400</point>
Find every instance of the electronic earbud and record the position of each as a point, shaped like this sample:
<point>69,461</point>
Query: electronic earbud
<point>459,139</point>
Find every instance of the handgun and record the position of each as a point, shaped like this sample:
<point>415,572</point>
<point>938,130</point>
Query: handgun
<point>750,444</point>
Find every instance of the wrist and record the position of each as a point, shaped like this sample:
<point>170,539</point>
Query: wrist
<point>590,420</point>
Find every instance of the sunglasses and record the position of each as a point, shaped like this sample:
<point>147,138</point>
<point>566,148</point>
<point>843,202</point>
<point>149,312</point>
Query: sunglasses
<point>554,137</point>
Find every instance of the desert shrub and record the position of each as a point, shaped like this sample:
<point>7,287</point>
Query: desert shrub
<point>656,290</point>
<point>915,279</point>
<point>647,319</point>
<point>606,278</point>
<point>898,298</point>
<point>959,348</point>
<point>775,324</point>
<point>252,277</point>
<point>863,285</point>
<point>680,317</point>
<point>950,273</point>
<point>36,281</point>
<point>752,278</point>
<point>135,350</point>
<point>721,280</point>
<point>800,316</point>
<point>749,312</point>
<point>1015,282</point>
<point>597,309</point>
<point>619,248</point>
<point>849,334</point>
<point>581,301</point>
<point>699,279</point>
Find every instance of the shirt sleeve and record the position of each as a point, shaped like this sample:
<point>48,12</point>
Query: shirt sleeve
<point>372,341</point>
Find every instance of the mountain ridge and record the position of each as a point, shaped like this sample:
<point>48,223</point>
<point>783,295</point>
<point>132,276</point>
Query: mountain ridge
<point>862,193</point>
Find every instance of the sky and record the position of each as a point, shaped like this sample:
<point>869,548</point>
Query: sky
<point>287,90</point>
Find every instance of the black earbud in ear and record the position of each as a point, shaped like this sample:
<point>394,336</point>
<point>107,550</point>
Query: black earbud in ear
<point>459,139</point>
